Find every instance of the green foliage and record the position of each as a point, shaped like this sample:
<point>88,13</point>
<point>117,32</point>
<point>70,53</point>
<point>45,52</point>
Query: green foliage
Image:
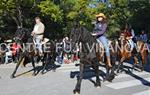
<point>58,15</point>
<point>140,10</point>
<point>50,9</point>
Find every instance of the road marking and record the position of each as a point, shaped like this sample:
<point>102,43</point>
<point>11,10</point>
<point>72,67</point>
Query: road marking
<point>146,92</point>
<point>131,83</point>
<point>134,73</point>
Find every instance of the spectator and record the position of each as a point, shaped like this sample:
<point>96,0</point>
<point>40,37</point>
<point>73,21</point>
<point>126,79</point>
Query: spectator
<point>66,46</point>
<point>143,36</point>
<point>149,46</point>
<point>132,33</point>
<point>8,55</point>
<point>15,52</point>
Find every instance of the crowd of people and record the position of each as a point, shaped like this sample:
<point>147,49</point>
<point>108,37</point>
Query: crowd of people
<point>12,51</point>
<point>132,38</point>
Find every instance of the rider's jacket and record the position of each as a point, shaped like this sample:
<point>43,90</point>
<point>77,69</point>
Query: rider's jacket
<point>100,28</point>
<point>38,30</point>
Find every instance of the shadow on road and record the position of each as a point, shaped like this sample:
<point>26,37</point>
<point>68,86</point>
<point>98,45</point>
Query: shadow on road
<point>38,69</point>
<point>143,81</point>
<point>88,74</point>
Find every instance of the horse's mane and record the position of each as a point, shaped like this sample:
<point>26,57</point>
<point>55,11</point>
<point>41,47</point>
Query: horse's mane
<point>86,35</point>
<point>87,38</point>
<point>25,32</point>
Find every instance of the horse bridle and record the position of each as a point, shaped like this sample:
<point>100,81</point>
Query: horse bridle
<point>19,37</point>
<point>79,35</point>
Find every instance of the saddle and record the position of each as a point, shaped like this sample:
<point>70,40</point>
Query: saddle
<point>44,41</point>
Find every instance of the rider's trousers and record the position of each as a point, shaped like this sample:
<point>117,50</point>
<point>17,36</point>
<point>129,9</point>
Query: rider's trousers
<point>131,44</point>
<point>104,41</point>
<point>38,44</point>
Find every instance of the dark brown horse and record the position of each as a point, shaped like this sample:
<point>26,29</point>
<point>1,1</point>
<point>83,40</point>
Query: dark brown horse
<point>126,54</point>
<point>30,51</point>
<point>143,51</point>
<point>2,53</point>
<point>81,34</point>
<point>3,49</point>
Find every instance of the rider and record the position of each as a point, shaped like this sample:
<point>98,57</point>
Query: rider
<point>99,31</point>
<point>38,33</point>
<point>143,36</point>
<point>129,36</point>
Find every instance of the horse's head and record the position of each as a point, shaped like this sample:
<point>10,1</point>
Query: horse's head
<point>75,35</point>
<point>21,35</point>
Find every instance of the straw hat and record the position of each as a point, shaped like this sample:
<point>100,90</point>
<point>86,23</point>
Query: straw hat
<point>101,15</point>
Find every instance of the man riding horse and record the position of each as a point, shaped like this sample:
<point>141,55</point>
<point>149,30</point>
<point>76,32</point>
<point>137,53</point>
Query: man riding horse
<point>38,33</point>
<point>29,42</point>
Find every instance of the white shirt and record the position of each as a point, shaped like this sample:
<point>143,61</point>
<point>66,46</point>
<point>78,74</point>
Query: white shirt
<point>38,29</point>
<point>132,32</point>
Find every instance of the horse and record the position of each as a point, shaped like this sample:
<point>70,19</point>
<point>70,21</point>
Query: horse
<point>3,48</point>
<point>143,52</point>
<point>24,36</point>
<point>79,34</point>
<point>126,54</point>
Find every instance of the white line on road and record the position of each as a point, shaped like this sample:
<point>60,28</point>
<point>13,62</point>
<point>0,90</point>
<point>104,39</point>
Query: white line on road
<point>126,84</point>
<point>146,92</point>
<point>135,73</point>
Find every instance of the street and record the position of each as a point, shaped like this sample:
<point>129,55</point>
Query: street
<point>62,82</point>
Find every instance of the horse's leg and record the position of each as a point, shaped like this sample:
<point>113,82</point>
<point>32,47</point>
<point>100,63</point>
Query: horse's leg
<point>2,60</point>
<point>112,73</point>
<point>96,69</point>
<point>139,61</point>
<point>107,72</point>
<point>120,65</point>
<point>33,65</point>
<point>23,64</point>
<point>113,62</point>
<point>98,84</point>
<point>45,62</point>
<point>135,63</point>
<point>17,66</point>
<point>143,62</point>
<point>79,80</point>
<point>53,62</point>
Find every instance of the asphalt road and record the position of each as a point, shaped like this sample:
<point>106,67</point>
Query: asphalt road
<point>62,82</point>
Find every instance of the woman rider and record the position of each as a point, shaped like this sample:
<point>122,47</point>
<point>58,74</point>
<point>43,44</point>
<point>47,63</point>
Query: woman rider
<point>99,32</point>
<point>129,36</point>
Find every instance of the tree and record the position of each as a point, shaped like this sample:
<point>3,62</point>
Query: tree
<point>15,14</point>
<point>58,15</point>
<point>140,18</point>
<point>50,9</point>
<point>118,14</point>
